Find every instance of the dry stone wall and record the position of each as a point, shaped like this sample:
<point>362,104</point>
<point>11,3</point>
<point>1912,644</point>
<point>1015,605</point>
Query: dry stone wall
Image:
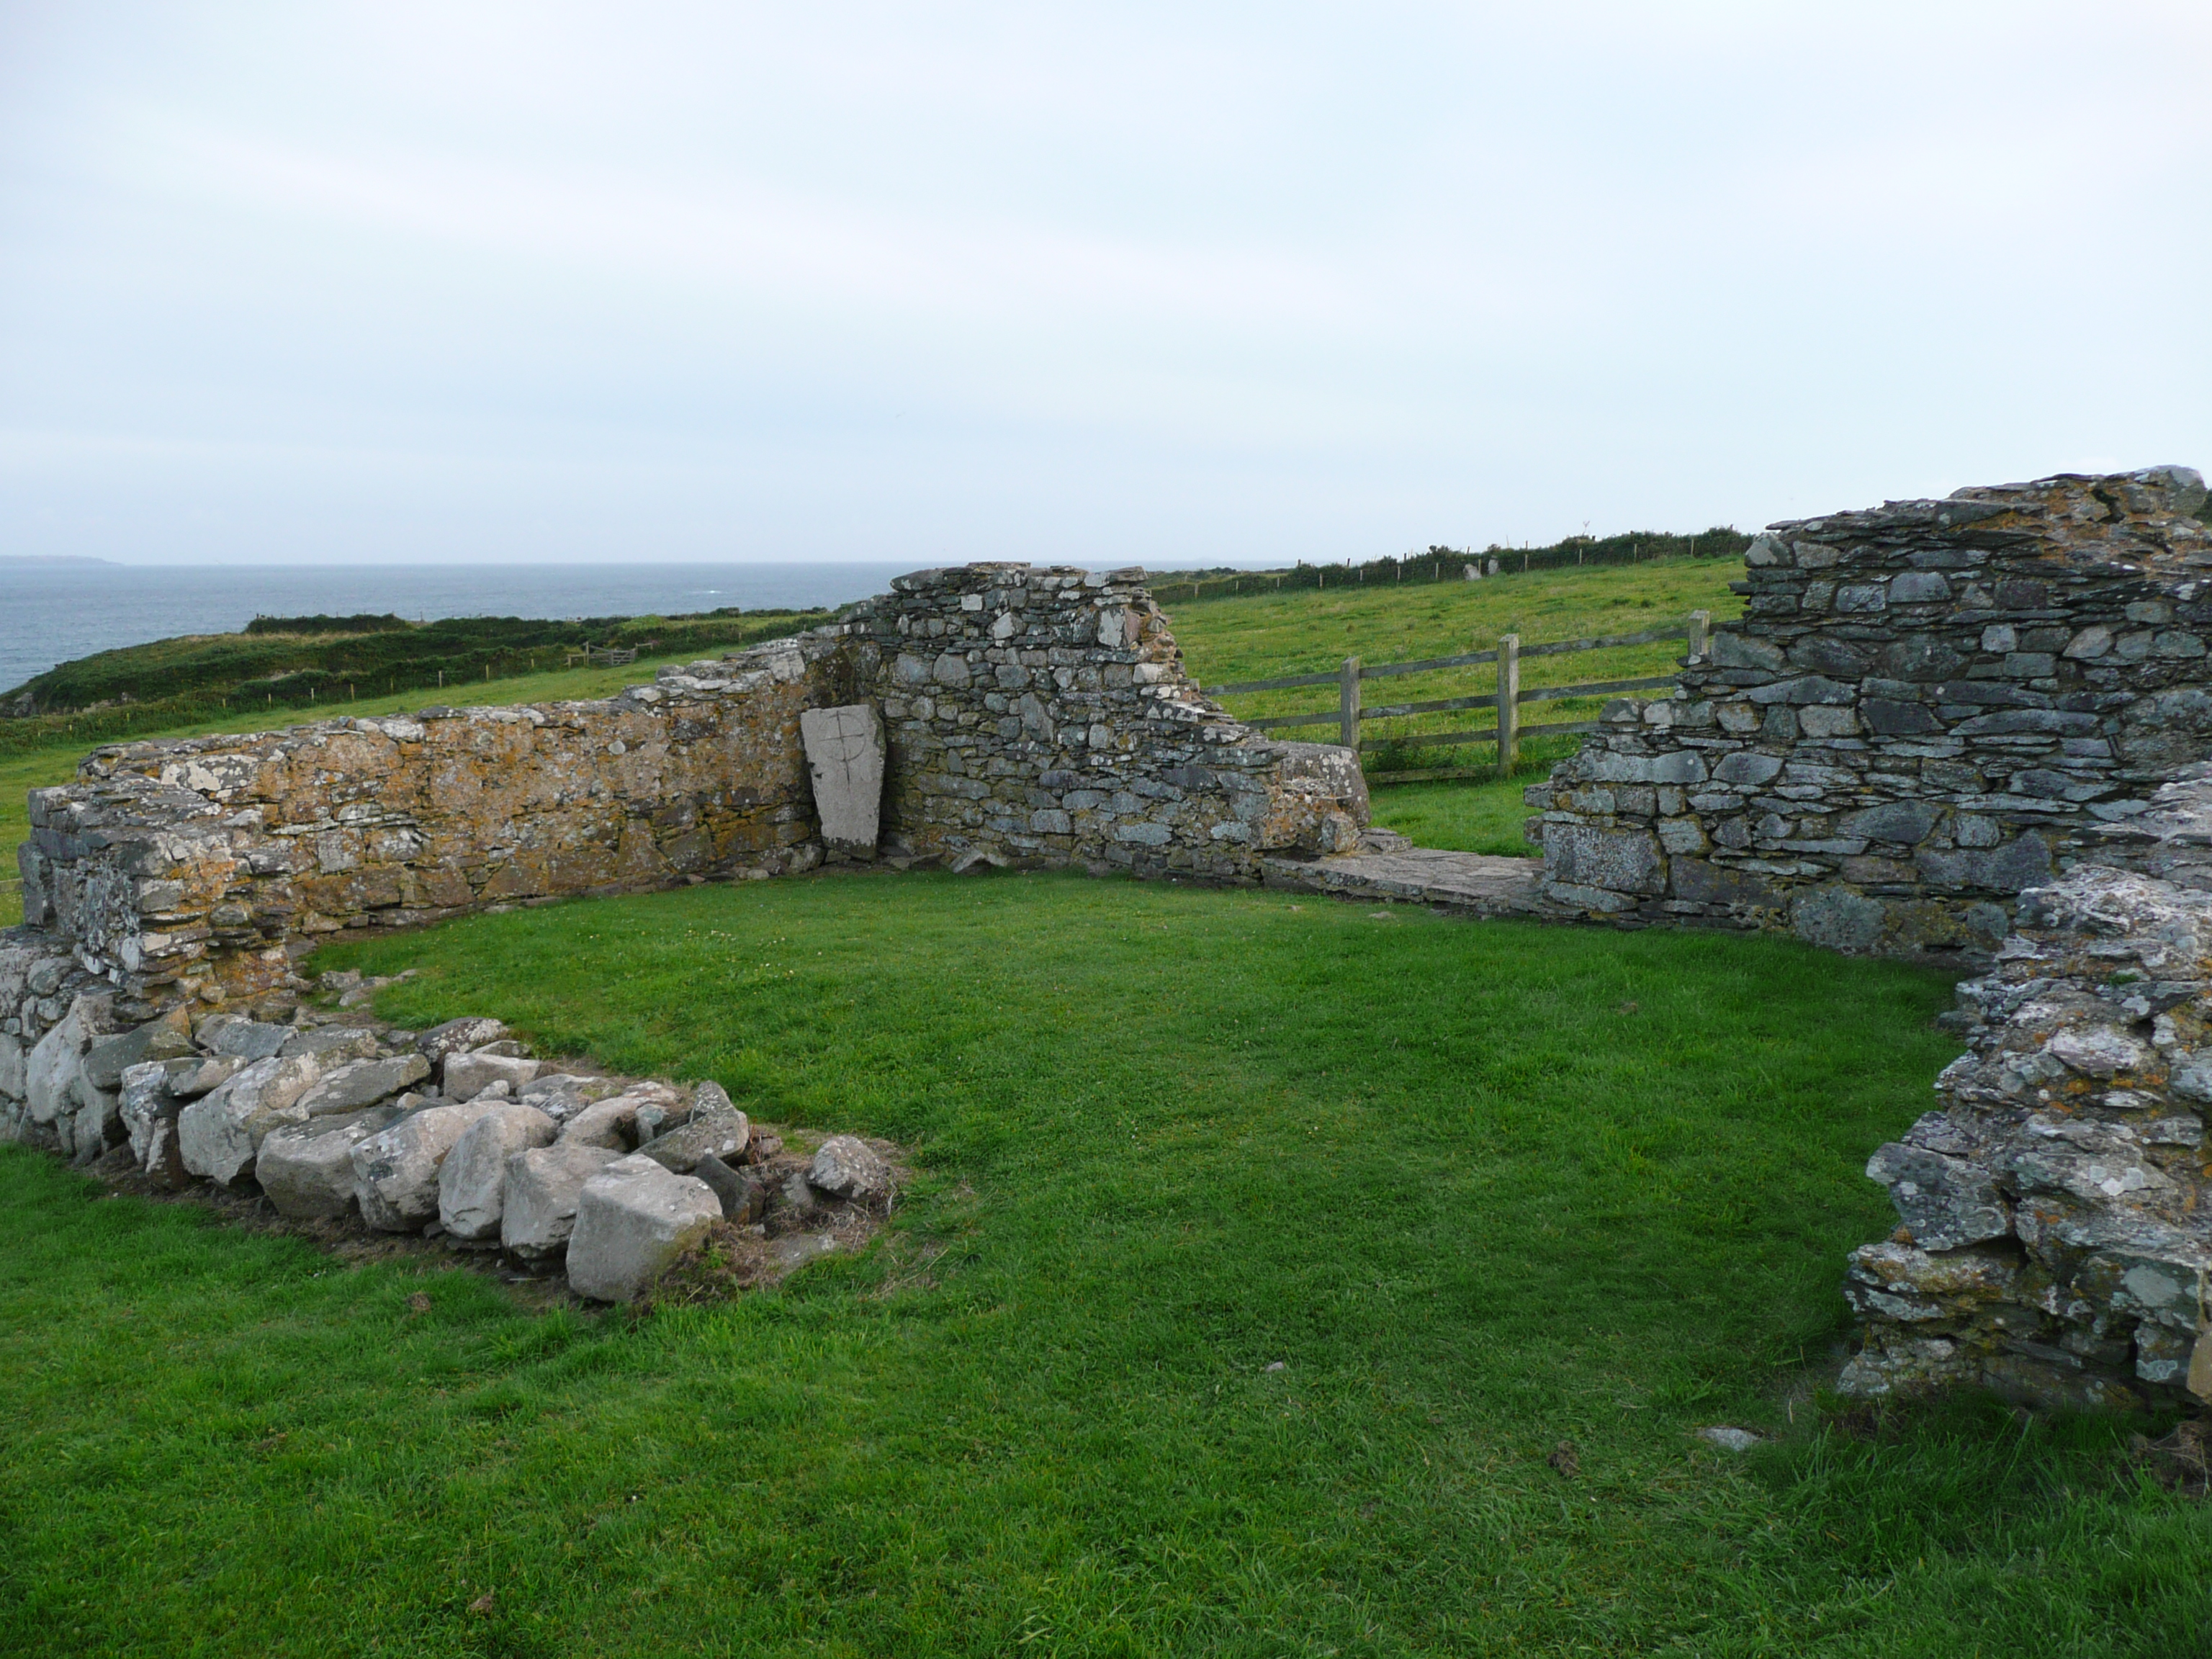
<point>1927,708</point>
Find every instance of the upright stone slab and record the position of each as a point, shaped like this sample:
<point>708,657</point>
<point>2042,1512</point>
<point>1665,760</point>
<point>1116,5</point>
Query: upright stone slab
<point>845,754</point>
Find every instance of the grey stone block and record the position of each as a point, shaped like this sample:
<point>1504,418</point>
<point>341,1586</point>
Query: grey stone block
<point>356,1083</point>
<point>396,1169</point>
<point>219,1133</point>
<point>539,1199</point>
<point>1837,918</point>
<point>306,1169</point>
<point>847,1167</point>
<point>633,1218</point>
<point>472,1179</point>
<point>466,1076</point>
<point>1584,855</point>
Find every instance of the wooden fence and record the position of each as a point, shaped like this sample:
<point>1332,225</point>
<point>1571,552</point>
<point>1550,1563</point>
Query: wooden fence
<point>1507,731</point>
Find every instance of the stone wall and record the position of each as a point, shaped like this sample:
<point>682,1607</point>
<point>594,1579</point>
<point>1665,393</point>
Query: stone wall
<point>1042,716</point>
<point>1032,716</point>
<point>2057,1209</point>
<point>1927,708</point>
<point>200,867</point>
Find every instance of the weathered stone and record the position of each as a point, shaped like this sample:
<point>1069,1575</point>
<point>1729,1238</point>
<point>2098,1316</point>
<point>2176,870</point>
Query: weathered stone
<point>742,1194</point>
<point>306,1169</point>
<point>561,1095</point>
<point>467,1076</point>
<point>458,1036</point>
<point>219,1133</point>
<point>845,757</point>
<point>396,1169</point>
<point>611,1123</point>
<point>1944,1202</point>
<point>144,1100</point>
<point>333,1045</point>
<point>240,1038</point>
<point>56,1060</point>
<point>471,1180</point>
<point>1619,862</point>
<point>356,1083</point>
<point>538,1196</point>
<point>207,1076</point>
<point>847,1167</point>
<point>714,1128</point>
<point>633,1218</point>
<point>169,1037</point>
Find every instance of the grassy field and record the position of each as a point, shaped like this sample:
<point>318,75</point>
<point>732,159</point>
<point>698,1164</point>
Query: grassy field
<point>1256,637</point>
<point>1476,815</point>
<point>1265,1252</point>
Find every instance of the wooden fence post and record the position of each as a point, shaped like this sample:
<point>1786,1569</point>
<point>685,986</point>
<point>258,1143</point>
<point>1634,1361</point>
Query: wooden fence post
<point>1347,707</point>
<point>1509,702</point>
<point>1701,632</point>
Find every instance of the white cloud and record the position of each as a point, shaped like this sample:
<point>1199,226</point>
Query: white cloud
<point>1291,276</point>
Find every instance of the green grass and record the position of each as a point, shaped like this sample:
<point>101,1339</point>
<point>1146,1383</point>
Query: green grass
<point>1468,816</point>
<point>1478,1188</point>
<point>294,661</point>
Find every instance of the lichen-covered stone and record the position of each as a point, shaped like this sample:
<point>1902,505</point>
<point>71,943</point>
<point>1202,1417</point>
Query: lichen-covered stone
<point>220,1132</point>
<point>538,1198</point>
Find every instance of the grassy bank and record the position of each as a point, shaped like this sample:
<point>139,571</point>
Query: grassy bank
<point>1265,1252</point>
<point>297,662</point>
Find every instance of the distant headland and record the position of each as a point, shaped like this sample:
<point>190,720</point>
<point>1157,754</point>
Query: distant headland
<point>56,558</point>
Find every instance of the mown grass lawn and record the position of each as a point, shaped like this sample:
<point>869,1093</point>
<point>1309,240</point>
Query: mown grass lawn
<point>1263,1251</point>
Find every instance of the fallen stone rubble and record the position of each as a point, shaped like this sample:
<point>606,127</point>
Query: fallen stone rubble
<point>457,1135</point>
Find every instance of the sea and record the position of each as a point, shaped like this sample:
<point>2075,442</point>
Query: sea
<point>53,613</point>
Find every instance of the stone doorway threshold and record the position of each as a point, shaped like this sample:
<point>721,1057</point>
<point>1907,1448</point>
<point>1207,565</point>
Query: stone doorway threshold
<point>1389,866</point>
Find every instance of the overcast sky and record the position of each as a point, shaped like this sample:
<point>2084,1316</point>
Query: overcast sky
<point>1160,284</point>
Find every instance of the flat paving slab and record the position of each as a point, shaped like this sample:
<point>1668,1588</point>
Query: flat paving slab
<point>1474,882</point>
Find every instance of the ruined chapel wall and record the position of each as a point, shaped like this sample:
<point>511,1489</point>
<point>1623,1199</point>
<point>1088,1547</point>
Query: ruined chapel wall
<point>1033,716</point>
<point>2055,1210</point>
<point>182,866</point>
<point>1040,715</point>
<point>1926,708</point>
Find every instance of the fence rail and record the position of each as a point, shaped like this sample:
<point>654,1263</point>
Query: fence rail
<point>1506,699</point>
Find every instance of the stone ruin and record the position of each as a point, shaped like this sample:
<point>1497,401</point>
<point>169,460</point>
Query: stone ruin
<point>153,1022</point>
<point>2056,1207</point>
<point>342,1125</point>
<point>1008,715</point>
<point>1927,708</point>
<point>1971,731</point>
<point>1975,731</point>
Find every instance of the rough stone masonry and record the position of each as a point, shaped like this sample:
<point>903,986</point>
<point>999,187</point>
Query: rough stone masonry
<point>1927,708</point>
<point>2056,1209</point>
<point>1028,716</point>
